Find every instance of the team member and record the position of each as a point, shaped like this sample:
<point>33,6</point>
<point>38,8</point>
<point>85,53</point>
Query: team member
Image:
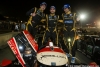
<point>69,19</point>
<point>51,28</point>
<point>36,16</point>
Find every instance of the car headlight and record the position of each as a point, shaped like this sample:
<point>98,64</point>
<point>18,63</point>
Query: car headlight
<point>21,48</point>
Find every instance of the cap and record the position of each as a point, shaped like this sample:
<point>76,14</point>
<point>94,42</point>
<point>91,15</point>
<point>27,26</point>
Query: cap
<point>43,3</point>
<point>66,6</point>
<point>53,7</point>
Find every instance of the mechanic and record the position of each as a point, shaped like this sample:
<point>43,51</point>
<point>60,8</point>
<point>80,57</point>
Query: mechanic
<point>36,16</point>
<point>51,28</point>
<point>69,19</point>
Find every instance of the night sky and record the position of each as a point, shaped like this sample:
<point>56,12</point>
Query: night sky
<point>18,8</point>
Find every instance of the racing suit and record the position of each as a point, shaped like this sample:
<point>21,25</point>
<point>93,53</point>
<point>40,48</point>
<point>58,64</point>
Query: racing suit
<point>61,41</point>
<point>34,21</point>
<point>69,32</point>
<point>51,31</point>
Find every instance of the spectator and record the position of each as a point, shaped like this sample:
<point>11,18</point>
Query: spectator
<point>13,27</point>
<point>23,26</point>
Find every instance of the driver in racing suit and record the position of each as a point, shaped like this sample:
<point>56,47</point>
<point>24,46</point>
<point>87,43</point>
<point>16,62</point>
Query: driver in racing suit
<point>51,30</point>
<point>69,19</point>
<point>36,16</point>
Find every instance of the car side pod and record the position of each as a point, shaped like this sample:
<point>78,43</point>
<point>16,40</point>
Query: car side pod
<point>52,56</point>
<point>5,62</point>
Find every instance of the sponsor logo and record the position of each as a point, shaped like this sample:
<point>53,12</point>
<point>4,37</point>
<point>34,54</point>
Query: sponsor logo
<point>57,56</point>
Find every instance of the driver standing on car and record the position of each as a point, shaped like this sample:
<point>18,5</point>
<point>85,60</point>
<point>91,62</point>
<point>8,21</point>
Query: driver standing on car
<point>51,27</point>
<point>69,19</point>
<point>36,16</point>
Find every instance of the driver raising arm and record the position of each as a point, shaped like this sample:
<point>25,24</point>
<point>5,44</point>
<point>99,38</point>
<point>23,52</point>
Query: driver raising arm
<point>36,16</point>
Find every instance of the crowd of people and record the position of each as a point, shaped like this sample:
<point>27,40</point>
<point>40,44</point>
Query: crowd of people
<point>7,26</point>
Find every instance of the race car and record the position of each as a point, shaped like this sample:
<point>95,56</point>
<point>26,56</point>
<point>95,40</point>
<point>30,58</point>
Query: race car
<point>90,46</point>
<point>28,54</point>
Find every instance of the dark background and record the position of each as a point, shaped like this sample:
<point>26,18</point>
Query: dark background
<point>18,8</point>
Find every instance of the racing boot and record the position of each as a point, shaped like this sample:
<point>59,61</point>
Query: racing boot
<point>68,55</point>
<point>73,60</point>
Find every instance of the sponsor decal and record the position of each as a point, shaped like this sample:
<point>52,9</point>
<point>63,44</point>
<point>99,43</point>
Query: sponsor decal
<point>57,56</point>
<point>14,48</point>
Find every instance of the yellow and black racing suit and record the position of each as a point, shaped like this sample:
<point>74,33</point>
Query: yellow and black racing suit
<point>51,30</point>
<point>69,21</point>
<point>34,20</point>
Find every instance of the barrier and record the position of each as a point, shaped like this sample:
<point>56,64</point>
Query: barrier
<point>5,37</point>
